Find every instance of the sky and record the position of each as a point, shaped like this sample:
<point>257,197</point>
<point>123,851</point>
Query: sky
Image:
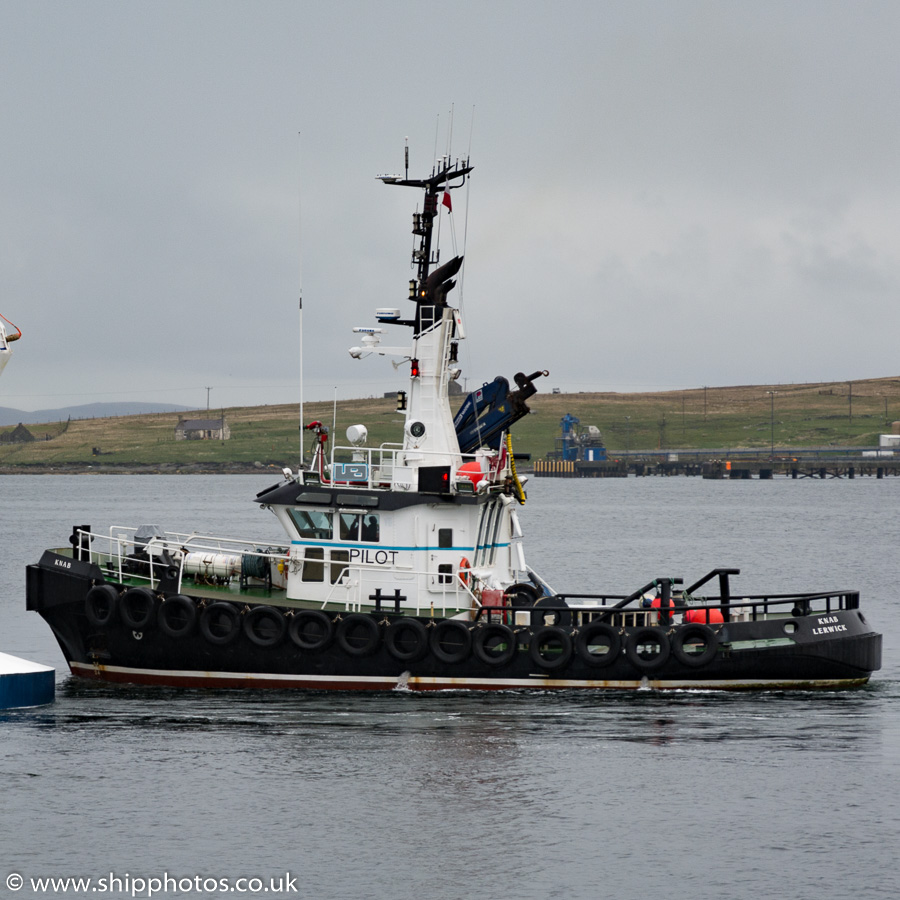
<point>666,194</point>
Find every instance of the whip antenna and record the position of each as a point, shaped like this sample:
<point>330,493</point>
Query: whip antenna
<point>300,285</point>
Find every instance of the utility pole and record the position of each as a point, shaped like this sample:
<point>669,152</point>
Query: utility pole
<point>207,398</point>
<point>772,416</point>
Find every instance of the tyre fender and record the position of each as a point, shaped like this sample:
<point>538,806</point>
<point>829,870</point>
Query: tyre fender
<point>451,631</point>
<point>101,605</point>
<point>137,608</point>
<point>298,624</point>
<point>494,631</point>
<point>589,634</point>
<point>358,635</point>
<point>692,632</point>
<point>220,623</point>
<point>641,635</point>
<point>412,628</point>
<point>265,626</point>
<point>177,616</point>
<point>557,635</point>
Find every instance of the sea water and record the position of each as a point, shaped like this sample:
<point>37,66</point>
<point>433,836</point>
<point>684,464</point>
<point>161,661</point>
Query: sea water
<point>457,795</point>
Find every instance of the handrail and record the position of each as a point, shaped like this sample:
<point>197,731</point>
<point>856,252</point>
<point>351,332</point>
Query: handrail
<point>756,604</point>
<point>160,549</point>
<point>709,602</point>
<point>709,576</point>
<point>385,458</point>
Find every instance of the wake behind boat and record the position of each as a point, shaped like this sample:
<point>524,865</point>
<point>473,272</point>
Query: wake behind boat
<point>403,565</point>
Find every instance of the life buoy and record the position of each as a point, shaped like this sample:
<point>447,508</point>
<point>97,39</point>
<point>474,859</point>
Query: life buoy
<point>311,630</point>
<point>177,616</point>
<point>551,647</point>
<point>647,635</point>
<point>265,626</point>
<point>358,635</point>
<point>101,604</point>
<point>695,634</point>
<point>451,641</point>
<point>464,568</point>
<point>598,644</point>
<point>220,623</point>
<point>138,608</point>
<point>406,639</point>
<point>494,644</point>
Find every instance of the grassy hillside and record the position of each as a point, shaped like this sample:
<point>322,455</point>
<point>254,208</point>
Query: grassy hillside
<point>733,417</point>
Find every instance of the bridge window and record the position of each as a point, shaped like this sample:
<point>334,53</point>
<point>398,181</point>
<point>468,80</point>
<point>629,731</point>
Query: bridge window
<point>313,565</point>
<point>371,530</point>
<point>349,526</point>
<point>359,527</point>
<point>312,523</point>
<point>340,559</point>
<point>317,561</point>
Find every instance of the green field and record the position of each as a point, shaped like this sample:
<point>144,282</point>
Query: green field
<point>839,414</point>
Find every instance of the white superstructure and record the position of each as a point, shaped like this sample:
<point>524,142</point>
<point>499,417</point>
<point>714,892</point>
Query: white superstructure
<point>424,524</point>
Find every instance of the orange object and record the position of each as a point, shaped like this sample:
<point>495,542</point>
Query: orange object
<point>472,471</point>
<point>464,571</point>
<point>703,616</point>
<point>670,604</point>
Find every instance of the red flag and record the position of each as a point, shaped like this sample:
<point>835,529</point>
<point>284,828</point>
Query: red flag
<point>446,201</point>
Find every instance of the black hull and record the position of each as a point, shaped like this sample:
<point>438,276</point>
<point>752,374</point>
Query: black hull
<point>748,655</point>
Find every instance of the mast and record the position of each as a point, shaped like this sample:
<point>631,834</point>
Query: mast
<point>432,355</point>
<point>431,288</point>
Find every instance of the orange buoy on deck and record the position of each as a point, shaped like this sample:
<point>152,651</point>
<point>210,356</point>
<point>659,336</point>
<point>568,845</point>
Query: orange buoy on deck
<point>472,471</point>
<point>703,616</point>
<point>667,618</point>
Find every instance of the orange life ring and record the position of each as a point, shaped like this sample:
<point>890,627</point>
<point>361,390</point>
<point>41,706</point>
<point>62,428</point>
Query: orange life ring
<point>464,571</point>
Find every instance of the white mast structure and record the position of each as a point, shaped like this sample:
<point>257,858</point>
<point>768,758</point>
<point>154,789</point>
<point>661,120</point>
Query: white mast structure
<point>437,327</point>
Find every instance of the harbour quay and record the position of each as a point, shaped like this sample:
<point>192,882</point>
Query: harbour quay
<point>721,464</point>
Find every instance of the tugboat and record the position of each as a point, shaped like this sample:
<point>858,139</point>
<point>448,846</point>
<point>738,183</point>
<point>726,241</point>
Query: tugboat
<point>403,565</point>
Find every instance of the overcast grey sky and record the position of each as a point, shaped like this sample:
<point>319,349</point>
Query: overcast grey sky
<point>666,194</point>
